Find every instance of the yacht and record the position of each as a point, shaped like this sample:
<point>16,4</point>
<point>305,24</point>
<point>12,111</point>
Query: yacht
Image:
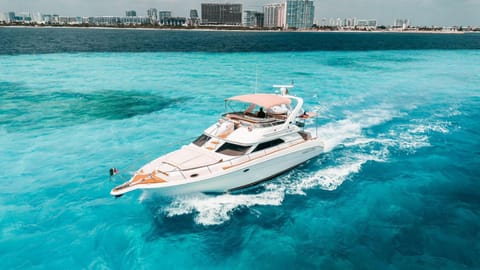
<point>261,136</point>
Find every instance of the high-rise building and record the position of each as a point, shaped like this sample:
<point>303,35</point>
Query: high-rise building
<point>296,14</point>
<point>299,14</point>
<point>23,17</point>
<point>37,17</point>
<point>173,21</point>
<point>401,23</point>
<point>193,14</point>
<point>248,18</point>
<point>194,20</point>
<point>259,19</point>
<point>65,20</point>
<point>163,14</point>
<point>113,20</point>
<point>274,15</point>
<point>252,18</point>
<point>152,13</point>
<point>349,22</point>
<point>221,14</point>
<point>130,13</point>
<point>11,17</point>
<point>331,22</point>
<point>367,24</point>
<point>47,18</point>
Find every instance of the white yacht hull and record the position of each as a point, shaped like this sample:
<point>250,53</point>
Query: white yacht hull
<point>241,176</point>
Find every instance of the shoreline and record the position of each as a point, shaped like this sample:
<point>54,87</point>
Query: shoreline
<point>208,29</point>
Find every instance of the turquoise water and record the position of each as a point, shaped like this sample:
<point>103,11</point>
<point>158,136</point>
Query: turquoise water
<point>397,188</point>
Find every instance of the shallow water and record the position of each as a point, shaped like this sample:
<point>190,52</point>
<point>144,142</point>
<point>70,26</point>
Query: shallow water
<point>397,187</point>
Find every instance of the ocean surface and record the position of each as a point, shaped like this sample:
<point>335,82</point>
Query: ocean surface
<point>398,186</point>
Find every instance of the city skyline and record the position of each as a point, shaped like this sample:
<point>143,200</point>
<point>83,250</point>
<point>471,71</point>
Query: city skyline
<point>418,12</point>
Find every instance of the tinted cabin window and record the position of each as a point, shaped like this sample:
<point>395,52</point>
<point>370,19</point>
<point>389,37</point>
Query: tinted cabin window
<point>232,149</point>
<point>269,144</point>
<point>201,140</point>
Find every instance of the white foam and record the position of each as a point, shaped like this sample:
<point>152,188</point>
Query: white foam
<point>449,112</point>
<point>327,179</point>
<point>338,132</point>
<point>414,135</point>
<point>435,126</point>
<point>213,210</point>
<point>407,141</point>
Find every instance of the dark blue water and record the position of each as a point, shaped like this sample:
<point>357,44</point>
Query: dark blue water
<point>48,40</point>
<point>398,186</point>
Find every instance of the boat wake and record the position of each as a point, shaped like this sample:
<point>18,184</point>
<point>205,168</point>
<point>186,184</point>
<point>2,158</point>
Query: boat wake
<point>349,144</point>
<point>213,210</point>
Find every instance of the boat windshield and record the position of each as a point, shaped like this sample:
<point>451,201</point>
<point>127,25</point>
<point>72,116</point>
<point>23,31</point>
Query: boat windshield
<point>231,149</point>
<point>200,141</point>
<point>268,144</point>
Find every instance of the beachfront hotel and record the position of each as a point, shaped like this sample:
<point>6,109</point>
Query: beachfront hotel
<point>274,15</point>
<point>290,14</point>
<point>299,14</point>
<point>252,19</point>
<point>221,14</point>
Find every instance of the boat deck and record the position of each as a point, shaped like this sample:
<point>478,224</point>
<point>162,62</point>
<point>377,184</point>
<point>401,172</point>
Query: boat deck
<point>141,179</point>
<point>250,118</point>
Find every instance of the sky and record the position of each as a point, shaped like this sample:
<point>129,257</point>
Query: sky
<point>419,12</point>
